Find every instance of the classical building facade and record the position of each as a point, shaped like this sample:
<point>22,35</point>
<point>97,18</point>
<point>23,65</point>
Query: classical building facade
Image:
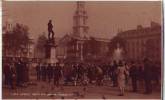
<point>73,46</point>
<point>143,42</point>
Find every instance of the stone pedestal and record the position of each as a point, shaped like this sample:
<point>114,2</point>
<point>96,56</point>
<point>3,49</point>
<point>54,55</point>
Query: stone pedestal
<point>50,52</point>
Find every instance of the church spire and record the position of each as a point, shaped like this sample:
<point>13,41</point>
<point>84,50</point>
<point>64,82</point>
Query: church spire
<point>80,28</point>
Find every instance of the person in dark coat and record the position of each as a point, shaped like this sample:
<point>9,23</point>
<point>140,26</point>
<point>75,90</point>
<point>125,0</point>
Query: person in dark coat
<point>80,72</point>
<point>91,73</point>
<point>140,73</point>
<point>12,75</point>
<point>22,72</point>
<point>49,72</point>
<point>57,74</point>
<point>6,73</point>
<point>18,72</point>
<point>43,71</point>
<point>25,73</point>
<point>134,76</point>
<point>156,72</point>
<point>148,76</point>
<point>10,81</point>
<point>113,73</point>
<point>38,71</point>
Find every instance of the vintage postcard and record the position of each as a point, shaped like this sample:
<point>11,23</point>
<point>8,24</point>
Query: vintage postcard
<point>82,49</point>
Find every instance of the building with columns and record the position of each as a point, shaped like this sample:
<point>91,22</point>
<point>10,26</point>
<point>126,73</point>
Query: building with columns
<point>143,42</point>
<point>73,46</point>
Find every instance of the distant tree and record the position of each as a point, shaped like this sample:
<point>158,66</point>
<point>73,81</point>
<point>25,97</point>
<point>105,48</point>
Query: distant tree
<point>40,45</point>
<point>41,41</point>
<point>17,40</point>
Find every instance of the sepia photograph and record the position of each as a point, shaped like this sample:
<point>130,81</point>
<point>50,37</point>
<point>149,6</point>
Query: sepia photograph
<point>82,50</point>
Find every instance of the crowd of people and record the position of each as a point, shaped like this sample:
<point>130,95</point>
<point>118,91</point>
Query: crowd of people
<point>119,74</point>
<point>15,73</point>
<point>49,72</point>
<point>95,73</point>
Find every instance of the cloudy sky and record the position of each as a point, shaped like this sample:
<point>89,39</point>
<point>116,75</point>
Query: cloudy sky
<point>105,18</point>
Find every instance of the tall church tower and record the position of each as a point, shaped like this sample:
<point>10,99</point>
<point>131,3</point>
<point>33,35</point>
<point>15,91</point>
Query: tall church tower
<point>80,28</point>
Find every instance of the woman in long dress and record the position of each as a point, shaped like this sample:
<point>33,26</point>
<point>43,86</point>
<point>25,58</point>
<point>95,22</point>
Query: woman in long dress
<point>121,71</point>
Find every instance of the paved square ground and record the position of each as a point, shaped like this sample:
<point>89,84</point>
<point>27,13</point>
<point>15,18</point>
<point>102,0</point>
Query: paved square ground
<point>47,90</point>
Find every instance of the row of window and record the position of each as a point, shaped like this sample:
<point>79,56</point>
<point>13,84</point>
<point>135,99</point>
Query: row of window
<point>140,48</point>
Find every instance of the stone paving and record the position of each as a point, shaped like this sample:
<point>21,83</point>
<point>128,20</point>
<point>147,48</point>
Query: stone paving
<point>47,90</point>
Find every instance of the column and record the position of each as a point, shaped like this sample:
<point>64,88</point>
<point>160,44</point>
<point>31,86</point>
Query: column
<point>77,49</point>
<point>81,51</point>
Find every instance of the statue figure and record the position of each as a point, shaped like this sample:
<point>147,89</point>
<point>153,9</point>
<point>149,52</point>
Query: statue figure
<point>50,30</point>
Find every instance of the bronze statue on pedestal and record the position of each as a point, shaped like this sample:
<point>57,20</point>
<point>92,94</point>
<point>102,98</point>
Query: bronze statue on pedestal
<point>50,30</point>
